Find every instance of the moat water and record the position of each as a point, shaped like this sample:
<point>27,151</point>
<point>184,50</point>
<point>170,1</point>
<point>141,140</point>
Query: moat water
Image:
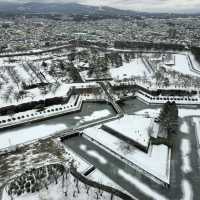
<point>90,112</point>
<point>183,185</point>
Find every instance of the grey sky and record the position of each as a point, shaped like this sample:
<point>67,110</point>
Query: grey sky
<point>141,5</point>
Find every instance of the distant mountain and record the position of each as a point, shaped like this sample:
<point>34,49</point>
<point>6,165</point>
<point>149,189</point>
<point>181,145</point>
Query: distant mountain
<point>76,9</point>
<point>61,8</point>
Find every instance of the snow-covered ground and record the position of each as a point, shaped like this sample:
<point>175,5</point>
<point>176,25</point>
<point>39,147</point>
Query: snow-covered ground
<point>81,164</point>
<point>135,68</point>
<point>182,112</point>
<point>57,192</point>
<point>37,94</point>
<point>135,127</point>
<point>146,161</point>
<point>23,135</point>
<point>182,65</point>
<point>32,155</point>
<point>186,150</point>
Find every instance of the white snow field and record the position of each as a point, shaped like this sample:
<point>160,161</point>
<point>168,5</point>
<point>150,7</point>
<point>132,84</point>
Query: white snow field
<point>145,161</point>
<point>81,164</point>
<point>134,127</point>
<point>135,68</point>
<point>186,150</point>
<point>182,65</point>
<point>23,135</point>
<point>57,192</point>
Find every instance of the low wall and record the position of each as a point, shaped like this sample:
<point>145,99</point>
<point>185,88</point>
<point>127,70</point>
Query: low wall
<point>156,92</point>
<point>41,117</point>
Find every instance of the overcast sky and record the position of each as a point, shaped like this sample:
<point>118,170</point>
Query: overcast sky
<point>139,5</point>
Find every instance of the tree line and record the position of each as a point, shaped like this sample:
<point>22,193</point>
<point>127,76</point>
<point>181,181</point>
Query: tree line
<point>148,45</point>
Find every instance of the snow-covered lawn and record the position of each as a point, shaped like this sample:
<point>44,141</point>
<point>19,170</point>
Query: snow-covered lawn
<point>188,112</point>
<point>186,150</point>
<point>135,127</point>
<point>141,186</point>
<point>146,161</point>
<point>135,68</point>
<point>18,136</point>
<point>187,190</point>
<point>182,65</point>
